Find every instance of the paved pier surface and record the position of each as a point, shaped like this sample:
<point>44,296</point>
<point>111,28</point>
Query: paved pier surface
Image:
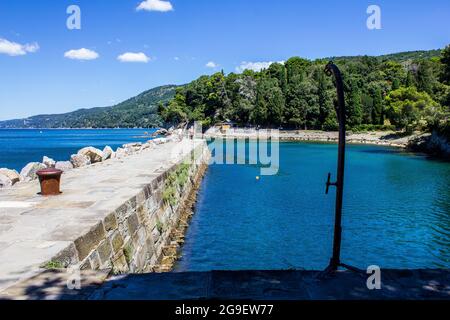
<point>33,229</point>
<point>237,285</point>
<point>276,285</point>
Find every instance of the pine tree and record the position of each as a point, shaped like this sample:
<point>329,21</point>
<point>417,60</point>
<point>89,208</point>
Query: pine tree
<point>425,80</point>
<point>354,110</point>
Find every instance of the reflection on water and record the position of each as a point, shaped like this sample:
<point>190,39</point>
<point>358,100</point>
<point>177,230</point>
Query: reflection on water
<point>396,212</point>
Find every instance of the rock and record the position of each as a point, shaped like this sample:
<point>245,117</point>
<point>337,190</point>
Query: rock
<point>120,153</point>
<point>161,132</point>
<point>108,153</point>
<point>8,177</point>
<point>48,162</point>
<point>148,145</point>
<point>64,165</point>
<point>95,155</point>
<point>11,174</point>
<point>79,161</point>
<point>159,141</point>
<point>132,148</point>
<point>132,145</point>
<point>29,171</point>
<point>5,181</point>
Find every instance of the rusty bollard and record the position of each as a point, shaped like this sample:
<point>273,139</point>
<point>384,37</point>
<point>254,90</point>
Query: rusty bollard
<point>50,181</point>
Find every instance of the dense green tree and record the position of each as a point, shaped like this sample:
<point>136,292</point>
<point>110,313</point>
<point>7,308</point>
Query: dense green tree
<point>425,78</point>
<point>296,68</point>
<point>278,71</point>
<point>411,80</point>
<point>324,95</point>
<point>394,73</point>
<point>407,92</point>
<point>407,108</point>
<point>378,107</point>
<point>354,105</point>
<point>445,60</point>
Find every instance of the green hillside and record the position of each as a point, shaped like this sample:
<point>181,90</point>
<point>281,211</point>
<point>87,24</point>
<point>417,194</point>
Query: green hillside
<point>139,111</point>
<point>404,91</point>
<point>304,96</point>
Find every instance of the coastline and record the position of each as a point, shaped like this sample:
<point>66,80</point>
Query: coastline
<point>430,144</point>
<point>382,138</point>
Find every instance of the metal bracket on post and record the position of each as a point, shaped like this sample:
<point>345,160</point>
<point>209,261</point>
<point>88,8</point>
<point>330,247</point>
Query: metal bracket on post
<point>335,262</point>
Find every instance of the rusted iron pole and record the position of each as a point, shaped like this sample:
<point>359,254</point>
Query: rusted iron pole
<point>332,69</point>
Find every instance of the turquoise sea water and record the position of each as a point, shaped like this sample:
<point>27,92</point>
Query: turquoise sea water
<point>396,212</point>
<point>19,147</point>
<point>396,205</point>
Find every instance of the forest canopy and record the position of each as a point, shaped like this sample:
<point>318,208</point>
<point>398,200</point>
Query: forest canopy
<point>406,91</point>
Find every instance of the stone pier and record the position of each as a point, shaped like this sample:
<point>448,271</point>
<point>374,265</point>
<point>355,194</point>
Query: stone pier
<point>117,215</point>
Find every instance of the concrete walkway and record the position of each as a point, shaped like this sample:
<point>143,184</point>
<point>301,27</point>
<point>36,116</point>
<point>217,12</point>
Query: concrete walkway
<point>275,285</point>
<point>34,229</point>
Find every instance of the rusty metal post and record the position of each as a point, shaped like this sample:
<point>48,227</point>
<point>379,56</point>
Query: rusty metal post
<point>335,262</point>
<point>50,181</point>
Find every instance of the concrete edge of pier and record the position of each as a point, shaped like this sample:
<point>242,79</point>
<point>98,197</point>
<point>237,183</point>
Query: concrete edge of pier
<point>235,285</point>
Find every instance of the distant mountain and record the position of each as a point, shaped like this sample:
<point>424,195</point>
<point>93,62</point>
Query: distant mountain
<point>140,111</point>
<point>412,55</point>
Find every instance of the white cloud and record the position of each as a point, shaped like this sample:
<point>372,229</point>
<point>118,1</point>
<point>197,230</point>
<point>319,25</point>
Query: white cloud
<point>81,54</point>
<point>176,58</point>
<point>133,57</point>
<point>211,65</point>
<point>155,5</point>
<point>17,49</point>
<point>255,66</point>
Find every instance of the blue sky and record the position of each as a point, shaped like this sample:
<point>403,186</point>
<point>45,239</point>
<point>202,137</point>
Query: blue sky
<point>180,42</point>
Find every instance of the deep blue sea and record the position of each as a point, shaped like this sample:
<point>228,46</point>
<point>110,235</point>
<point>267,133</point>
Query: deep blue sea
<point>19,147</point>
<point>396,212</point>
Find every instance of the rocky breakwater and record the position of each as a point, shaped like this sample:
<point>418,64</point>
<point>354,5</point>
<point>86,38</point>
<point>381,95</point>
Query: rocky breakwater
<point>84,157</point>
<point>125,213</point>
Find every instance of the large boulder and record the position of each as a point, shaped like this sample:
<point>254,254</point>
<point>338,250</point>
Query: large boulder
<point>79,160</point>
<point>29,171</point>
<point>161,132</point>
<point>159,141</point>
<point>64,165</point>
<point>148,145</point>
<point>95,155</point>
<point>8,177</point>
<point>108,153</point>
<point>120,153</point>
<point>132,148</point>
<point>48,162</point>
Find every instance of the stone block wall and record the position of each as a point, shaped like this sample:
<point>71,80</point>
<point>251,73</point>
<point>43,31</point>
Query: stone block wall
<point>135,237</point>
